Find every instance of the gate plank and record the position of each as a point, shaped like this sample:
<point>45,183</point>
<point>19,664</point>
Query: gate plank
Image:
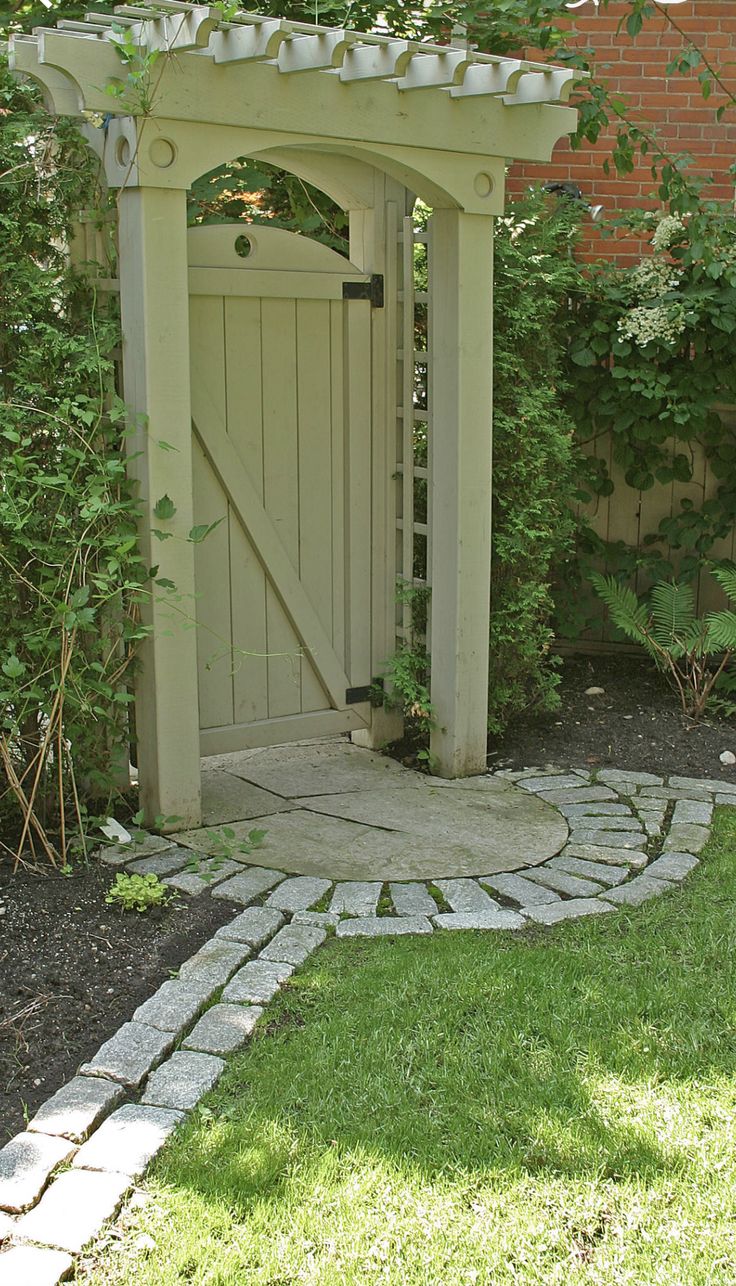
<point>244,499</point>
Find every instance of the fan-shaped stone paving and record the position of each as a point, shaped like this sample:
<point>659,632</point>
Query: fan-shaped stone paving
<point>384,852</point>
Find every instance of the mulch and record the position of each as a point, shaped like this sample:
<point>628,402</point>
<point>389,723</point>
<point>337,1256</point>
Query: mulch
<point>72,968</point>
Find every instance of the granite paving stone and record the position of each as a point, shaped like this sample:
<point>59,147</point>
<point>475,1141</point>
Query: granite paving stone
<point>187,882</point>
<point>634,858</point>
<point>672,866</point>
<point>34,1266</point>
<point>601,872</point>
<point>77,1107</point>
<point>466,895</point>
<point>726,799</point>
<point>568,781</point>
<point>602,809</point>
<point>293,944</point>
<point>254,926</point>
<point>73,1209</point>
<point>175,1005</point>
<point>257,982</point>
<point>167,862</point>
<point>671,792</point>
<point>637,891</point>
<point>130,1054</point>
<point>520,890</point>
<point>128,1140</point>
<point>652,828</point>
<point>249,885</point>
<point>691,810</point>
<point>500,919</point>
<point>609,839</point>
<point>223,1029</point>
<point>320,919</point>
<point>298,893</point>
<point>571,885</point>
<point>619,776</point>
<point>412,899</point>
<point>629,823</point>
<point>210,872</point>
<point>583,795</point>
<point>383,926</point>
<point>572,910</point>
<point>183,1079</point>
<point>686,838</point>
<point>26,1163</point>
<point>119,854</point>
<point>215,962</point>
<point>356,897</point>
<point>689,783</point>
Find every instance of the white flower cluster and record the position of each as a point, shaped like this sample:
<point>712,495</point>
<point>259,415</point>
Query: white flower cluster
<point>652,277</point>
<point>669,229</point>
<point>642,325</point>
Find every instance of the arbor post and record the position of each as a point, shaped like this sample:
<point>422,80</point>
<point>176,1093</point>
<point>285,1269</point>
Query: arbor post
<point>154,301</point>
<point>461,286</point>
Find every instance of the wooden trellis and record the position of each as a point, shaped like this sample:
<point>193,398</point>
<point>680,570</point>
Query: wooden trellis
<point>374,122</point>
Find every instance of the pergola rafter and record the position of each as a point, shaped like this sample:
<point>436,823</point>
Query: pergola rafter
<point>374,121</point>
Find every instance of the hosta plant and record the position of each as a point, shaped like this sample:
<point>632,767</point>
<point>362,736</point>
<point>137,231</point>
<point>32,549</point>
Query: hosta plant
<point>693,652</point>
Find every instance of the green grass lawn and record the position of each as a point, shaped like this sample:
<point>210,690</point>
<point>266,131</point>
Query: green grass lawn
<point>557,1107</point>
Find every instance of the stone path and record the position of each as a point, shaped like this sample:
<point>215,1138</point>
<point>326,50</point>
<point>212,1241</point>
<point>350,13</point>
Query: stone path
<point>619,839</point>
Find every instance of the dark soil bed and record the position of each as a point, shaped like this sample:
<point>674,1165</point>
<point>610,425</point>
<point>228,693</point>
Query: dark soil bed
<point>636,723</point>
<point>72,969</point>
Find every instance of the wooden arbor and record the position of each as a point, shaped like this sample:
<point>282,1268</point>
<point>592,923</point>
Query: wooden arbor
<point>374,122</point>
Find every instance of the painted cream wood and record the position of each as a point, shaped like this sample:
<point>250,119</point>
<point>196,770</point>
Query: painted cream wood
<point>281,412</point>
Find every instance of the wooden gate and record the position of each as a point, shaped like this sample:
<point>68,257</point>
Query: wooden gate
<point>281,418</point>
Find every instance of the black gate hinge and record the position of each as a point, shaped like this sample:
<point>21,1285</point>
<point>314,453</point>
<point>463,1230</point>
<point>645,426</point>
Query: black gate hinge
<point>372,692</point>
<point>371,290</point>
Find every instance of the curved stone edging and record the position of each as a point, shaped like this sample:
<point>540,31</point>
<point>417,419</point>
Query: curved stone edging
<point>633,836</point>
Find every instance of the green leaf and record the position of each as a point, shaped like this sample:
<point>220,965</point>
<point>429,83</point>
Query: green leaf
<point>164,508</point>
<point>162,535</point>
<point>198,534</point>
<point>14,668</point>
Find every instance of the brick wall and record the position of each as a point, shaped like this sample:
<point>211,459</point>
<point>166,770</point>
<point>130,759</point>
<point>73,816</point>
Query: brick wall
<point>674,104</point>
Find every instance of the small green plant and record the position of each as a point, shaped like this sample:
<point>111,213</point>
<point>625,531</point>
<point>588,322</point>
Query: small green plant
<point>138,892</point>
<point>693,652</point>
<point>225,843</point>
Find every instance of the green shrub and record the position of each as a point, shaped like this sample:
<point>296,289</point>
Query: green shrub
<point>138,892</point>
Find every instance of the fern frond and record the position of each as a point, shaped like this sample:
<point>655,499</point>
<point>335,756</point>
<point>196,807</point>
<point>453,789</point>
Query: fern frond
<point>673,612</point>
<point>627,613</point>
<point>722,630</point>
<point>725,574</point>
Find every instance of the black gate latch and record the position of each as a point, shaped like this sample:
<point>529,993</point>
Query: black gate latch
<point>371,290</point>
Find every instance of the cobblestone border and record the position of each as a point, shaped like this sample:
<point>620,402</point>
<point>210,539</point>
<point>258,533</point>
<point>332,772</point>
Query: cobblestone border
<point>632,837</point>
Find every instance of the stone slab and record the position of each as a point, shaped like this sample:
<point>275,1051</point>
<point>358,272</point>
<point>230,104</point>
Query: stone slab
<point>356,897</point>
<point>672,866</point>
<point>26,1163</point>
<point>293,944</point>
<point>248,886</point>
<point>412,899</point>
<point>601,872</point>
<point>297,770</point>
<point>619,776</point>
<point>383,926</point>
<point>119,854</point>
<point>692,811</point>
<point>215,963</point>
<point>684,838</point>
<point>500,919</point>
<point>174,858</point>
<point>566,781</point>
<point>130,1054</point>
<point>635,858</point>
<point>628,823</point>
<point>698,783</point>
<point>34,1266</point>
<point>575,909</point>
<point>727,800</point>
<point>253,927</point>
<point>175,1005</point>
<point>183,1080</point>
<point>671,792</point>
<point>74,1209</point>
<point>571,885</point>
<point>257,982</point>
<point>602,809</point>
<point>298,893</point>
<point>525,892</point>
<point>608,839</point>
<point>638,890</point>
<point>127,1141</point>
<point>320,919</point>
<point>582,795</point>
<point>223,1029</point>
<point>75,1109</point>
<point>466,896</point>
<point>228,798</point>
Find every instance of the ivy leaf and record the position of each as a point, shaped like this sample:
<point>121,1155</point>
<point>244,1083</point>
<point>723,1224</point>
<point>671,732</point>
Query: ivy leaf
<point>164,509</point>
